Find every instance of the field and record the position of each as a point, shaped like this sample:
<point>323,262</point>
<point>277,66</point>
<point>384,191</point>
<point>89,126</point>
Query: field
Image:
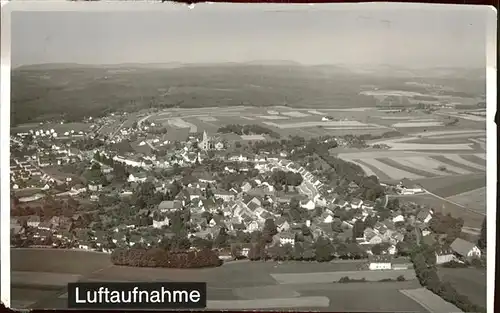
<point>229,286</point>
<point>329,277</point>
<point>433,303</point>
<point>396,165</point>
<point>253,137</point>
<point>475,199</point>
<point>452,185</point>
<point>470,282</point>
<point>423,155</point>
<point>58,128</point>
<point>416,123</point>
<point>57,261</point>
<point>282,120</point>
<point>472,219</point>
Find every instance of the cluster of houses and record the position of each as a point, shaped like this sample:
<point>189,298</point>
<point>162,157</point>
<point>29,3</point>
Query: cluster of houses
<point>244,208</point>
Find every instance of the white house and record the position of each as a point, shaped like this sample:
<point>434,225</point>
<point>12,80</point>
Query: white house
<point>465,249</point>
<point>161,223</point>
<point>139,177</point>
<point>328,219</point>
<point>286,238</point>
<point>219,145</point>
<point>252,226</point>
<point>309,205</point>
<point>356,203</point>
<point>379,262</point>
<point>319,200</point>
<point>445,256</point>
<point>246,187</point>
<point>424,215</point>
<point>392,250</point>
<point>399,218</point>
<point>224,195</point>
<point>409,188</point>
<point>95,187</point>
<point>284,227</point>
<point>84,247</point>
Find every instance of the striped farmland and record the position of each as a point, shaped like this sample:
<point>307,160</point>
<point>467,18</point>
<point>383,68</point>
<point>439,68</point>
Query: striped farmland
<point>453,166</point>
<point>392,172</point>
<point>417,166</point>
<point>459,161</point>
<point>372,170</point>
<point>400,164</point>
<point>420,163</point>
<point>474,159</point>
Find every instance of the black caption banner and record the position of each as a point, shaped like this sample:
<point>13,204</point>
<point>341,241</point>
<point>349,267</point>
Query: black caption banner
<point>137,295</point>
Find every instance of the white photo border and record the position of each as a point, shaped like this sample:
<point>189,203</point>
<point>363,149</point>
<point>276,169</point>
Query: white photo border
<point>8,7</point>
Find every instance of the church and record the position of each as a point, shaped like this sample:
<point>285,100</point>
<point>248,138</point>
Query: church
<point>210,143</point>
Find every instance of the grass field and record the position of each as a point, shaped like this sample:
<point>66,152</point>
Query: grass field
<point>282,120</point>
<point>432,302</point>
<point>60,129</point>
<point>474,199</point>
<point>469,282</point>
<point>417,124</point>
<point>452,185</point>
<point>330,277</point>
<point>228,287</point>
<point>57,261</point>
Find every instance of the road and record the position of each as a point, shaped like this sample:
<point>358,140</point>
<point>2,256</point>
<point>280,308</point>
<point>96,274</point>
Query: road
<point>142,120</point>
<point>150,145</point>
<point>118,129</point>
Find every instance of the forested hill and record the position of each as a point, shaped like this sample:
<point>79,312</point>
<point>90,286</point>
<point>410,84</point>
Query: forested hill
<point>74,91</point>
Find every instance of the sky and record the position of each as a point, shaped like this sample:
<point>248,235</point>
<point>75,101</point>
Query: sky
<point>414,36</point>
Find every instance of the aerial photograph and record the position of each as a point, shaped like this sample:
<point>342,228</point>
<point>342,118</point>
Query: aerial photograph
<point>326,158</point>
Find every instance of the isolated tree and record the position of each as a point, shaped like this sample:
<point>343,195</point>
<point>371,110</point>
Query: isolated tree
<point>236,251</point>
<point>269,230</point>
<point>222,238</point>
<point>323,250</point>
<point>481,242</point>
<point>298,251</point>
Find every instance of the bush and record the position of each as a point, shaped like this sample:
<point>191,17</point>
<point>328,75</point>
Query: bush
<point>400,278</point>
<point>385,280</point>
<point>478,263</point>
<point>158,257</point>
<point>454,264</point>
<point>346,279</point>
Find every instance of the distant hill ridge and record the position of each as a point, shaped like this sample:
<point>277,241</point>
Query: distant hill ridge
<point>359,69</point>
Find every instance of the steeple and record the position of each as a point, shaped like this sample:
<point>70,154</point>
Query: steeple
<point>205,137</point>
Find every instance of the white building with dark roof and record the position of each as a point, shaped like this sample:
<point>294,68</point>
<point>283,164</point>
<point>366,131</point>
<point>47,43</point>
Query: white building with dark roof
<point>465,249</point>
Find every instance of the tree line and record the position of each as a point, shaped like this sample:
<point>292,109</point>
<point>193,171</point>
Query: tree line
<point>158,257</point>
<point>251,129</point>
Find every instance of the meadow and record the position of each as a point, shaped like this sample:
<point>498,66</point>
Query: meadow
<point>474,199</point>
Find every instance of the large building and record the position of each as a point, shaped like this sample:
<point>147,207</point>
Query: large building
<point>210,143</point>
<point>206,143</point>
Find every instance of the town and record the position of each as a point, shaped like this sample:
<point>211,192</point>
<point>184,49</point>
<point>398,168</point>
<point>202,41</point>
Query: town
<point>288,197</point>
